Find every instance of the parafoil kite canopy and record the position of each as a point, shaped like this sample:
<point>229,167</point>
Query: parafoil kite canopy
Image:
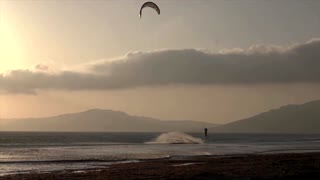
<point>151,5</point>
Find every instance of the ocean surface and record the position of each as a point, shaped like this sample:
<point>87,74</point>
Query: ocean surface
<point>41,152</point>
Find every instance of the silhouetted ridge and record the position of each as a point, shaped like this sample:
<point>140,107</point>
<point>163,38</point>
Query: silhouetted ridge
<point>102,120</point>
<point>303,118</point>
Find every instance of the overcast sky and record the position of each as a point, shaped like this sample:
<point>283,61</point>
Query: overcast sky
<point>215,61</point>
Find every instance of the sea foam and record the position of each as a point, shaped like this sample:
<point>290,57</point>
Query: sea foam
<point>176,138</point>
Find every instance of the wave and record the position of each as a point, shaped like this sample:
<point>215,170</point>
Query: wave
<point>176,138</point>
<point>69,161</point>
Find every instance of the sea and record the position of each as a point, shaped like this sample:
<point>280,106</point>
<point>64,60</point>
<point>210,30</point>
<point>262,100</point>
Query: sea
<point>43,152</point>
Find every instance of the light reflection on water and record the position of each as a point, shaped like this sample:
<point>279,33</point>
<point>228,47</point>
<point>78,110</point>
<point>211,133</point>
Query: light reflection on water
<point>45,152</point>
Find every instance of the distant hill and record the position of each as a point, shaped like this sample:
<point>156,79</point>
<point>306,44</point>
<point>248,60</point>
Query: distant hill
<point>304,118</point>
<point>102,120</point>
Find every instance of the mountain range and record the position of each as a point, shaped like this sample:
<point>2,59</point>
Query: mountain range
<point>102,121</point>
<point>300,118</point>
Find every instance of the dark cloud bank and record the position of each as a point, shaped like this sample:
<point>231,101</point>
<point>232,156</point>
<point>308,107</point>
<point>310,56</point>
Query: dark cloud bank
<point>257,64</point>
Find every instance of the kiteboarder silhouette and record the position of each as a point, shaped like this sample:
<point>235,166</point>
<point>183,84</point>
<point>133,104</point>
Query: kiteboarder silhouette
<point>206,132</point>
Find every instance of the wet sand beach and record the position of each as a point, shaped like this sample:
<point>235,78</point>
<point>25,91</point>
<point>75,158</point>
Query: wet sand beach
<point>254,166</point>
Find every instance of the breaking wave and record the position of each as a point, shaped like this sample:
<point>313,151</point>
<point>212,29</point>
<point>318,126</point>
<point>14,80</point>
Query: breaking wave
<point>176,138</point>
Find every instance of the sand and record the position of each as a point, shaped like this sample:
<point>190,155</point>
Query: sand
<point>263,166</point>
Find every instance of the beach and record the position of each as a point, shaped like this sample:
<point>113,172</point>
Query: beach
<point>163,89</point>
<point>48,155</point>
<point>251,166</point>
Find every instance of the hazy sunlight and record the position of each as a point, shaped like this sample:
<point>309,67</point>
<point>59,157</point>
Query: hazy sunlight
<point>11,52</point>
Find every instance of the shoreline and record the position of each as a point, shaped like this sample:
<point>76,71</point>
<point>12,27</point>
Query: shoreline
<point>248,166</point>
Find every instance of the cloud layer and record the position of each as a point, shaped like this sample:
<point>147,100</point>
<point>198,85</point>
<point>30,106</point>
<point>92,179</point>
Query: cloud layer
<point>257,64</point>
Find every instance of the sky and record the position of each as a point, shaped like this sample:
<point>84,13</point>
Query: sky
<point>216,61</point>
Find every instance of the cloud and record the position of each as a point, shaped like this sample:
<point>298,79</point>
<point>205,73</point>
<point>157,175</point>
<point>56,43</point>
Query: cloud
<point>257,64</point>
<point>41,67</point>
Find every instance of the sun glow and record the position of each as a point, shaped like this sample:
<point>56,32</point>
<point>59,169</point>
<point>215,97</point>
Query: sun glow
<point>10,50</point>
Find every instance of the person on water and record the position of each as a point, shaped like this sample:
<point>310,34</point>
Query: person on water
<point>206,132</point>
